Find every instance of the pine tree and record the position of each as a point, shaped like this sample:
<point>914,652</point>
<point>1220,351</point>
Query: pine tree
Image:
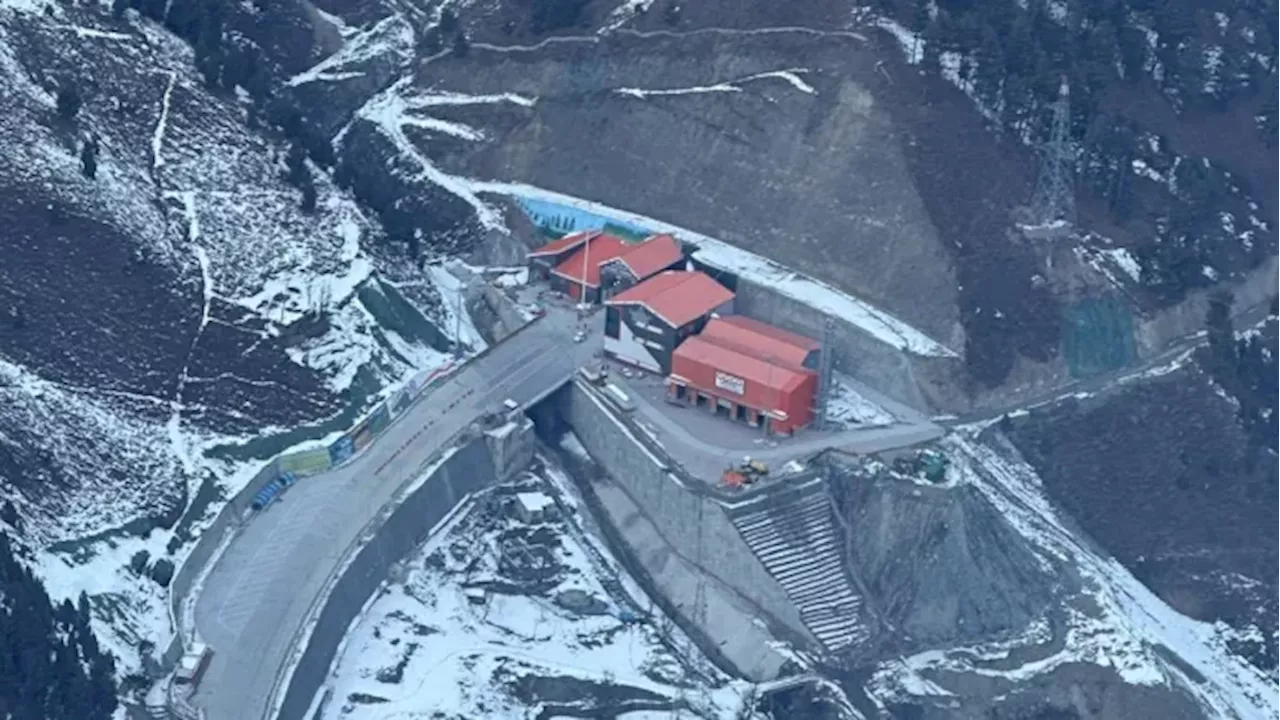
<point>308,194</point>
<point>8,513</point>
<point>296,162</point>
<point>461,45</point>
<point>89,158</point>
<point>448,21</point>
<point>1222,341</point>
<point>68,101</point>
<point>45,650</point>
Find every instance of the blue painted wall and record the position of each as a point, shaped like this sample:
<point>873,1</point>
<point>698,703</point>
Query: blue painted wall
<point>557,219</point>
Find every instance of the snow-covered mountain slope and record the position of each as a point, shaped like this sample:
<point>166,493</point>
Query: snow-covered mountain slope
<point>500,613</point>
<point>1111,633</point>
<point>172,298</point>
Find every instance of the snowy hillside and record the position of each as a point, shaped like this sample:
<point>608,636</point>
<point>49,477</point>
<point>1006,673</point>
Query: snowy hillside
<point>498,614</point>
<point>164,293</point>
<point>1114,633</point>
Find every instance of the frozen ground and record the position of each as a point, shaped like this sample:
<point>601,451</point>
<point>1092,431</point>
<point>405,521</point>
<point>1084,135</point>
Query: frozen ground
<point>849,408</point>
<point>496,617</point>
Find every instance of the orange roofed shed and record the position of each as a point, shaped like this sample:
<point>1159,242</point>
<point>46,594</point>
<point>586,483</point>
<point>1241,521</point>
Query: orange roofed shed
<point>762,340</point>
<point>742,386</point>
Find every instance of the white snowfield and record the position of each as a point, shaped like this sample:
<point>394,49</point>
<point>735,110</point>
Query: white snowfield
<point>1129,623</point>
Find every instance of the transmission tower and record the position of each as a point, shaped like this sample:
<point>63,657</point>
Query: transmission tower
<point>1055,198</point>
<point>825,361</point>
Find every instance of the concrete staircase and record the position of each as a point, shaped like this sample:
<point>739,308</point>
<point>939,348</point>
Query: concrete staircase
<point>796,538</point>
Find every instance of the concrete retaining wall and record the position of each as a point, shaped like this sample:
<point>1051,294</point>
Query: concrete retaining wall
<point>687,520</point>
<point>927,384</point>
<point>467,471</point>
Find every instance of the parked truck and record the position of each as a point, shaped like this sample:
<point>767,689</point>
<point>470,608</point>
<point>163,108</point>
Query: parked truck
<point>273,489</point>
<point>192,665</point>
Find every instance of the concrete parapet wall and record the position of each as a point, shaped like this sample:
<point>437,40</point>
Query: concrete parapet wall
<point>695,526</point>
<point>408,525</point>
<point>926,384</point>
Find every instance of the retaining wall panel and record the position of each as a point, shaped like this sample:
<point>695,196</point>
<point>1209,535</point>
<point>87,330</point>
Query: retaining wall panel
<point>467,471</point>
<point>687,521</point>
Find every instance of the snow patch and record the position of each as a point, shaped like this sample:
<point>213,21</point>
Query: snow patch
<point>1129,622</point>
<point>390,36</point>
<point>438,642</point>
<point>791,76</point>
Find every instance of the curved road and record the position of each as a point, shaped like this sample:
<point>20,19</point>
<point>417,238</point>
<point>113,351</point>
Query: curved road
<point>258,592</point>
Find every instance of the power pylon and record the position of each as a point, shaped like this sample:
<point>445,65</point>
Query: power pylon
<point>1055,197</point>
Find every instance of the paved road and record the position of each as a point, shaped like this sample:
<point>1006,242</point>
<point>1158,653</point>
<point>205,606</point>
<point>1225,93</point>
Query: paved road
<point>259,591</point>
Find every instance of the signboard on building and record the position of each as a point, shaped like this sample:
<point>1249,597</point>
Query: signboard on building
<point>735,385</point>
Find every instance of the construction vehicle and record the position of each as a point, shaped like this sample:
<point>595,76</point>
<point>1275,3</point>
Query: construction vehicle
<point>192,665</point>
<point>273,490</point>
<point>745,474</point>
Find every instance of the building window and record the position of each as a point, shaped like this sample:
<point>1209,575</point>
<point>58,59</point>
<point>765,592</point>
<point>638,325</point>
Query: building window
<point>640,317</point>
<point>611,322</point>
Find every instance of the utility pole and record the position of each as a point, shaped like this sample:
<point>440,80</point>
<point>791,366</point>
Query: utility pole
<point>586,257</point>
<point>457,320</point>
<point>1054,200</point>
<point>825,369</point>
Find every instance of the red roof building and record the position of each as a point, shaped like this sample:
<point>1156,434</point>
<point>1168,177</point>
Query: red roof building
<point>676,296</point>
<point>749,371</point>
<point>568,243</point>
<point>644,323</point>
<point>766,341</point>
<point>582,267</point>
<point>743,386</point>
<point>593,265</point>
<point>652,256</point>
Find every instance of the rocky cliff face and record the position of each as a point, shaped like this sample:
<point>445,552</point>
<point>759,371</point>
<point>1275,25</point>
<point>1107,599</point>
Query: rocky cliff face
<point>941,565</point>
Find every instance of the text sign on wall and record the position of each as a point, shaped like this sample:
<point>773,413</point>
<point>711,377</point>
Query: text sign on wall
<point>733,384</point>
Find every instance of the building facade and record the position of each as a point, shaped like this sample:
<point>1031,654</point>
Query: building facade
<point>593,266</point>
<point>742,386</point>
<point>645,324</point>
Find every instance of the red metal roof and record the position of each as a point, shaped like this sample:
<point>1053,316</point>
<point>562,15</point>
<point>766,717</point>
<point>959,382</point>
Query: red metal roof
<point>655,253</point>
<point>555,247</point>
<point>741,365</point>
<point>677,296</point>
<point>763,340</point>
<point>598,250</point>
